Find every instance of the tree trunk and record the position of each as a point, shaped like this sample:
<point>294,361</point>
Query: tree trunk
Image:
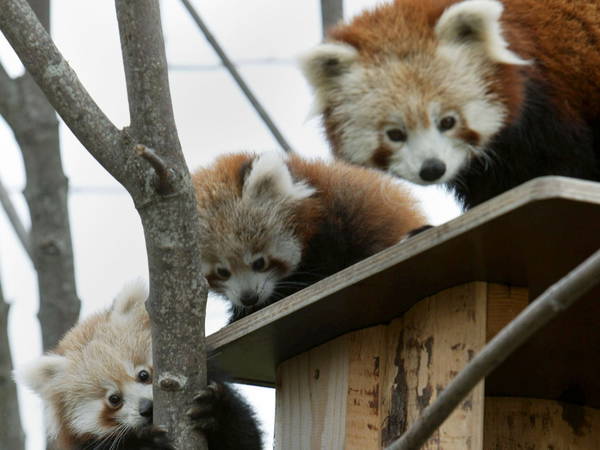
<point>11,432</point>
<point>147,160</point>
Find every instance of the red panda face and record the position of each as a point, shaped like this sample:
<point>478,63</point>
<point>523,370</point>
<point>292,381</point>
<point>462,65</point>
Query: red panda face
<point>249,241</point>
<point>419,107</point>
<point>252,279</point>
<point>99,382</point>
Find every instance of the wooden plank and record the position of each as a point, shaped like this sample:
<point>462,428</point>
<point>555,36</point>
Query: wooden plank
<point>367,350</point>
<point>511,239</point>
<point>522,423</point>
<point>311,399</point>
<point>504,304</point>
<point>383,377</point>
<point>441,334</point>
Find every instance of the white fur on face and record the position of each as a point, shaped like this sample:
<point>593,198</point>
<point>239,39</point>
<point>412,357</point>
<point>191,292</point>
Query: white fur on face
<point>129,413</point>
<point>374,99</point>
<point>244,280</point>
<point>85,417</point>
<point>424,145</point>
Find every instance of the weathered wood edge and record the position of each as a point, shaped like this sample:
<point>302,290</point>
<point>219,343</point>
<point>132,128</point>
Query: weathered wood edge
<point>540,189</point>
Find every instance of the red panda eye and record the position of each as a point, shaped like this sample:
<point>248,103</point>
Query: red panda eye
<point>259,264</point>
<point>223,273</point>
<point>143,376</point>
<point>115,400</point>
<point>447,123</point>
<point>396,135</point>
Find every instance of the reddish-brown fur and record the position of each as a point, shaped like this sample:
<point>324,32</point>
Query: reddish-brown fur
<point>561,37</point>
<point>379,204</point>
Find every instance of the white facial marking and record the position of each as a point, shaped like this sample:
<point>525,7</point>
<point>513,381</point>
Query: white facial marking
<point>85,417</point>
<point>424,145</point>
<point>133,393</point>
<point>484,117</point>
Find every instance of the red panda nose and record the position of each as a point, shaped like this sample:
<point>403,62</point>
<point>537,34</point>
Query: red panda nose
<point>432,169</point>
<point>249,298</point>
<point>145,408</point>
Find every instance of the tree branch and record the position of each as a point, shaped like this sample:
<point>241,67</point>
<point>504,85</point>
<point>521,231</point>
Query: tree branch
<point>15,220</point>
<point>541,311</point>
<point>11,432</point>
<point>332,11</point>
<point>65,92</point>
<point>171,226</point>
<point>178,291</point>
<point>237,77</point>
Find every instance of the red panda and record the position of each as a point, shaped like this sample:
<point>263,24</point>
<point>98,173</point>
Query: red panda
<point>480,95</point>
<point>271,225</point>
<point>96,386</point>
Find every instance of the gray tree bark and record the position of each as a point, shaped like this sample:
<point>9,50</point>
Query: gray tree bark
<point>35,126</point>
<point>332,11</point>
<point>147,160</point>
<point>11,432</point>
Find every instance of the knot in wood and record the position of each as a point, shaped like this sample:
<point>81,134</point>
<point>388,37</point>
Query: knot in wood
<point>172,383</point>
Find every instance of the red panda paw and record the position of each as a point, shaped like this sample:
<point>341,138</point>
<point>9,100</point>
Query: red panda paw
<point>153,437</point>
<point>203,413</point>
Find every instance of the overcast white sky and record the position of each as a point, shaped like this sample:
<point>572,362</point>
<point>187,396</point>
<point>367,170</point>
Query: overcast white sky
<point>213,118</point>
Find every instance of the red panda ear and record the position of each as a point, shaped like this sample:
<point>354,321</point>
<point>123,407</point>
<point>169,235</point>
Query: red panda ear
<point>129,302</point>
<point>270,179</point>
<point>39,375</point>
<point>476,23</point>
<point>323,65</point>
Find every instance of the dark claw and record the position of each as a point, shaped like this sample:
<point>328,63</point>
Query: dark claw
<point>205,424</point>
<point>417,231</point>
<point>203,412</point>
<point>153,437</point>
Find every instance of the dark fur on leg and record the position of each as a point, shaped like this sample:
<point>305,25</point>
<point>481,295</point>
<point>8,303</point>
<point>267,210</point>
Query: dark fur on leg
<point>226,419</point>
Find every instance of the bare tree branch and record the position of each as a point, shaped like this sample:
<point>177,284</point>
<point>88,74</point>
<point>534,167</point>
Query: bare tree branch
<point>65,92</point>
<point>11,432</point>
<point>178,291</point>
<point>237,77</point>
<point>540,312</point>
<point>332,11</point>
<point>15,220</point>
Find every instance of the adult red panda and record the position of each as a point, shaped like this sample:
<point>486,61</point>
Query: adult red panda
<point>481,95</point>
<point>97,388</point>
<point>273,225</point>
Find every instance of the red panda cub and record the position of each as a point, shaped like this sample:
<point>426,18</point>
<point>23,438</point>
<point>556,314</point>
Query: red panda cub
<point>96,386</point>
<point>272,225</point>
<point>481,95</point>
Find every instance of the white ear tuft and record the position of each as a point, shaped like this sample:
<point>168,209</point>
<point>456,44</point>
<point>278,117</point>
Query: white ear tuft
<point>38,375</point>
<point>130,300</point>
<point>323,65</point>
<point>271,178</point>
<point>477,23</point>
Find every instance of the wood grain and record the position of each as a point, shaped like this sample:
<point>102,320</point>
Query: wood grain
<point>523,423</point>
<point>504,304</point>
<point>361,390</point>
<point>441,334</point>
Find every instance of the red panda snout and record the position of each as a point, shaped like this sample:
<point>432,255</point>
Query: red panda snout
<point>145,408</point>
<point>432,169</point>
